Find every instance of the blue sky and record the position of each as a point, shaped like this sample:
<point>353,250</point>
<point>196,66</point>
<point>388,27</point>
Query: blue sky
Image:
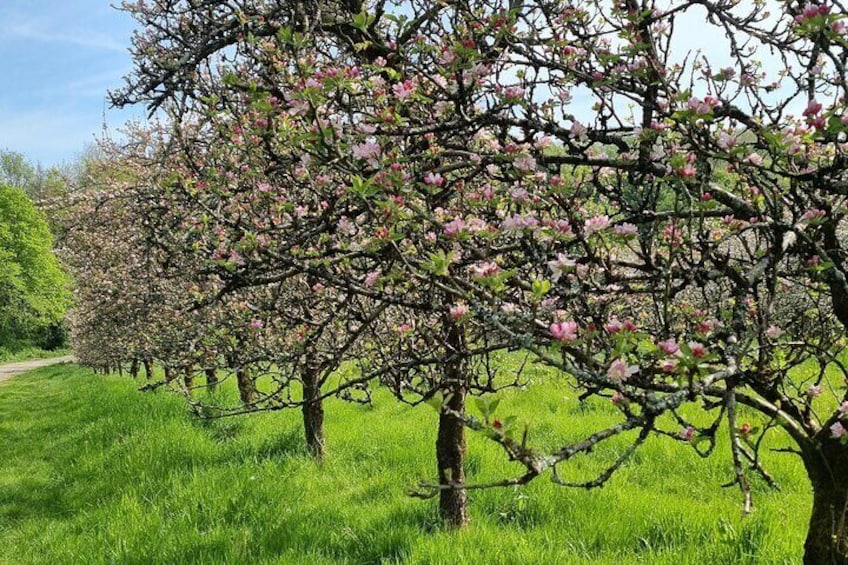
<point>57,59</point>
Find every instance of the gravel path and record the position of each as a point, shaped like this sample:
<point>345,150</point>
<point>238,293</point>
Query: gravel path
<point>9,370</point>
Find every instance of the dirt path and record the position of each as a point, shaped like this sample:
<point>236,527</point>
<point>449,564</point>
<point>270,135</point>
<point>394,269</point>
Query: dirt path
<point>9,370</point>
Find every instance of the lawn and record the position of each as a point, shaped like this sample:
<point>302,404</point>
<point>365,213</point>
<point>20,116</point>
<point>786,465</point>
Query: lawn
<point>92,471</point>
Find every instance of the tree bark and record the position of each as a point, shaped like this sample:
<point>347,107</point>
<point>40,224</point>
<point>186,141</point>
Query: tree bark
<point>827,536</point>
<point>246,387</point>
<point>148,370</point>
<point>188,378</point>
<point>450,442</point>
<point>134,368</point>
<point>313,412</point>
<point>211,378</point>
<point>169,374</point>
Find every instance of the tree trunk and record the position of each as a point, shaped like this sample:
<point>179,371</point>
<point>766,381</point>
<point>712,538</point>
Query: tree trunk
<point>188,378</point>
<point>313,412</point>
<point>134,368</point>
<point>148,370</point>
<point>450,443</point>
<point>246,386</point>
<point>827,536</point>
<point>169,374</point>
<point>211,378</point>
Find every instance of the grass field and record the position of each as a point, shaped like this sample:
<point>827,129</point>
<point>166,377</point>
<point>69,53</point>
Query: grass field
<point>92,471</point>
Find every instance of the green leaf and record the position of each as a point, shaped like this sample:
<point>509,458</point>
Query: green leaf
<point>436,401</point>
<point>438,263</point>
<point>362,21</point>
<point>483,406</point>
<point>541,288</point>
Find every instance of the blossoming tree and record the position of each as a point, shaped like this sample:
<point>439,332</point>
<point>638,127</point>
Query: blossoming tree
<point>665,225</point>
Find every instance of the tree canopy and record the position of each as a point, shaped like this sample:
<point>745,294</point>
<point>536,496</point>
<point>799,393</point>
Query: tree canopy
<point>34,291</point>
<point>679,248</point>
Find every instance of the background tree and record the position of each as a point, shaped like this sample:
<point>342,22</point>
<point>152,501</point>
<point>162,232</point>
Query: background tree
<point>37,182</point>
<point>35,289</point>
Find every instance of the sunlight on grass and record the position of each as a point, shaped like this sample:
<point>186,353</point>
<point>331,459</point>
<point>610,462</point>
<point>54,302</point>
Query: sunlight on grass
<point>95,472</point>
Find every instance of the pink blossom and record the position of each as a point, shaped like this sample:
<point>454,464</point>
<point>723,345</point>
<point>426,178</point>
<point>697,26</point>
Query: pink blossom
<point>485,269</point>
<point>812,108</point>
<point>366,151</point>
<point>773,332</point>
<point>625,230</point>
<point>619,371</point>
<point>447,57</point>
<point>596,224</point>
<point>525,163</point>
<point>669,346</point>
<point>560,226</point>
<point>699,106</point>
<point>434,179</point>
<point>560,265</point>
<point>578,130</point>
<point>837,430</point>
<point>687,433</point>
<point>812,215</point>
<point>754,159</point>
<point>843,408</point>
<point>458,311</point>
<point>476,225</point>
<point>403,90</point>
<point>698,349</point>
<point>519,194</point>
<point>519,222</point>
<point>257,324</point>
<point>543,142</point>
<point>454,227</point>
<point>514,92</point>
<point>366,128</point>
<point>668,366</point>
<point>372,278</point>
<point>814,391</point>
<point>613,326</point>
<point>564,331</point>
<point>687,171</point>
<point>706,326</point>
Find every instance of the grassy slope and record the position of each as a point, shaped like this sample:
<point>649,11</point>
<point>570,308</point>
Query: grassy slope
<point>28,353</point>
<point>94,472</point>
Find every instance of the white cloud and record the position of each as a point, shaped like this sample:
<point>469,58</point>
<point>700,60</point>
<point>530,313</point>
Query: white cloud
<point>48,34</point>
<point>92,86</point>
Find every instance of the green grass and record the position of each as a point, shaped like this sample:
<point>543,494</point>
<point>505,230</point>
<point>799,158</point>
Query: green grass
<point>93,471</point>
